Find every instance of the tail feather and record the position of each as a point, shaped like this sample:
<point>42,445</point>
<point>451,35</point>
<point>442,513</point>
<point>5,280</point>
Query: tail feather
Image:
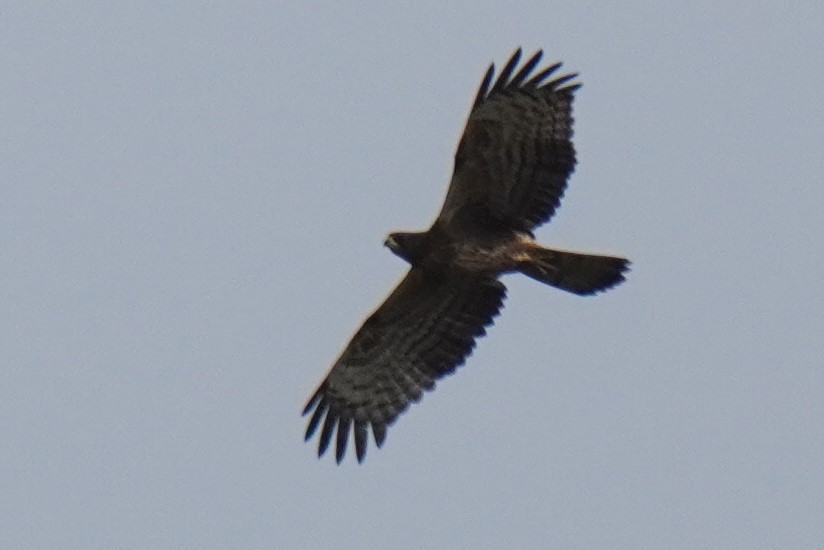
<point>581,274</point>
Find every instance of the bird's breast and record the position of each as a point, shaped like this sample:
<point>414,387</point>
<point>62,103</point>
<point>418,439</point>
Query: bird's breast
<point>490,259</point>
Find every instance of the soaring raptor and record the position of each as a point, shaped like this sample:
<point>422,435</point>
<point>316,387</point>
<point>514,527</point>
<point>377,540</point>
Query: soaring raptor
<point>511,169</point>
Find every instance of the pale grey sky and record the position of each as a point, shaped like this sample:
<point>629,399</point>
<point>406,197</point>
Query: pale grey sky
<point>194,201</point>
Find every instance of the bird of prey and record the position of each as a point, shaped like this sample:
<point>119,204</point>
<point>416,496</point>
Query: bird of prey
<point>511,169</point>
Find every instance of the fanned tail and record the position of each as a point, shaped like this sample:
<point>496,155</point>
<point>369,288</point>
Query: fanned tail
<point>581,274</point>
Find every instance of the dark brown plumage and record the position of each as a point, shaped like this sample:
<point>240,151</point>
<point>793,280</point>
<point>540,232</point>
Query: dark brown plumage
<point>511,170</point>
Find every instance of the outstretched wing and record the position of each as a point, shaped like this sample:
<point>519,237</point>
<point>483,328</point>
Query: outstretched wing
<point>516,153</point>
<point>422,332</point>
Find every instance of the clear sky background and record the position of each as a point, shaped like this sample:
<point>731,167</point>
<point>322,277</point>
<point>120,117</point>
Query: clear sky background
<point>194,197</point>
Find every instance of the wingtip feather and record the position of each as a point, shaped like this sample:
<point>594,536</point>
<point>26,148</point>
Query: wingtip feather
<point>314,421</point>
<point>314,399</point>
<point>326,433</point>
<point>379,434</point>
<point>343,438</point>
<point>360,439</point>
<point>503,78</point>
<point>484,87</point>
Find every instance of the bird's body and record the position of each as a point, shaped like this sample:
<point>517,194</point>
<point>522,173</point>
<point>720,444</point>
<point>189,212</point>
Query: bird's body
<point>511,169</point>
<point>436,250</point>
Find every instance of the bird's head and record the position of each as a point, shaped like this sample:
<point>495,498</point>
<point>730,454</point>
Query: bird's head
<point>408,246</point>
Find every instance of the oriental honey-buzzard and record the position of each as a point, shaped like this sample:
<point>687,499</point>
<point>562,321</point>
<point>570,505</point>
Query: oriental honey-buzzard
<point>511,169</point>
